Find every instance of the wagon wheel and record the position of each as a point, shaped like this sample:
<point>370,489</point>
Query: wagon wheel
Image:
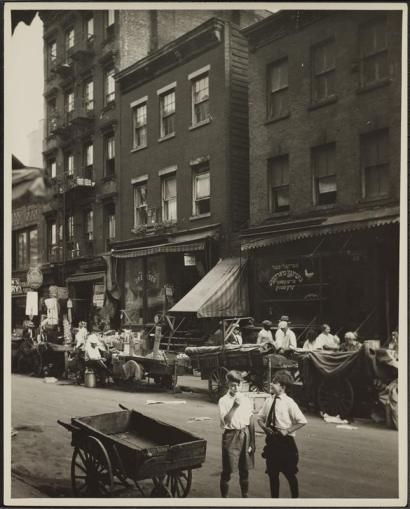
<point>169,381</point>
<point>217,384</point>
<point>259,386</point>
<point>335,397</point>
<point>91,471</point>
<point>179,483</point>
<point>160,490</point>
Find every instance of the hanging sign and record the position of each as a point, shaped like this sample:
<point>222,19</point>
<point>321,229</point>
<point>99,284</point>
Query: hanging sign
<point>189,260</point>
<point>34,278</point>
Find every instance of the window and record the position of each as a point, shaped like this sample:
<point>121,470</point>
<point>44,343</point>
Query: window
<point>324,174</point>
<point>88,160</point>
<point>69,105</point>
<point>278,96</point>
<point>109,24</point>
<point>374,153</point>
<point>200,99</point>
<point>89,225</point>
<point>68,41</point>
<point>89,27</point>
<point>373,52</point>
<point>109,143</point>
<point>51,55</point>
<point>201,189</point>
<point>140,126</point>
<point>51,116</point>
<point>278,177</point>
<point>140,204</point>
<point>89,95</point>
<point>167,113</point>
<point>109,213</point>
<point>26,248</point>
<point>52,168</point>
<point>109,86</point>
<point>70,228</point>
<point>169,198</point>
<point>323,71</point>
<point>69,164</point>
<point>52,240</point>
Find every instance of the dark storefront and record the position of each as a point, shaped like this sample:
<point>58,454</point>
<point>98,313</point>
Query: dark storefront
<point>347,279</point>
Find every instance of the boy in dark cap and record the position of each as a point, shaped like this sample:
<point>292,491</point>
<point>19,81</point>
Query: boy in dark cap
<point>238,439</point>
<point>279,418</point>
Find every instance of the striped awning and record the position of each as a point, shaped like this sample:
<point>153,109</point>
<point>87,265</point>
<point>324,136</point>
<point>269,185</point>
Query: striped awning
<point>222,292</point>
<point>85,277</point>
<point>361,220</point>
<point>170,247</point>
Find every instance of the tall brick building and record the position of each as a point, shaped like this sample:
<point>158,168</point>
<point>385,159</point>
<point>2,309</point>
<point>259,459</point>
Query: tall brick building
<point>325,113</point>
<point>83,50</point>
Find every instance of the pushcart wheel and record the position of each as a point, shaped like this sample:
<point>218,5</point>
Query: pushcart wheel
<point>217,383</point>
<point>335,397</point>
<point>160,490</point>
<point>179,483</point>
<point>169,381</point>
<point>91,471</point>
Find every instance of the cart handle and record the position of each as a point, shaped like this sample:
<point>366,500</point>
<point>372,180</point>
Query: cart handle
<point>123,407</point>
<point>67,426</point>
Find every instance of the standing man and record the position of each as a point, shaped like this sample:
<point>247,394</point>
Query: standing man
<point>279,418</point>
<point>238,439</point>
<point>265,335</point>
<point>285,338</point>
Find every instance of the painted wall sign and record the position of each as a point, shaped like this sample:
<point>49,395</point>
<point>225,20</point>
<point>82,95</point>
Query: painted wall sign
<point>25,215</point>
<point>285,277</point>
<point>34,278</point>
<point>19,287</point>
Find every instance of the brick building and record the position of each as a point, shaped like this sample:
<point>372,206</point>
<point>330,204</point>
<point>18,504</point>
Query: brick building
<point>325,113</point>
<point>184,164</point>
<point>83,50</point>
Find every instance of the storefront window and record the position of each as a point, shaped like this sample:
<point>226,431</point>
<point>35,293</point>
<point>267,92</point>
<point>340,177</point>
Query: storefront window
<point>156,279</point>
<point>133,291</point>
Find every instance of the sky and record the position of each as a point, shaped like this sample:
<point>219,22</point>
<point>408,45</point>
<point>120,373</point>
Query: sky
<point>25,75</point>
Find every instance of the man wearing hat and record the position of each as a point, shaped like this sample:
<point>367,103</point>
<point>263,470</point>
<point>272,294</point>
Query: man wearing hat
<point>265,335</point>
<point>93,356</point>
<point>238,439</point>
<point>285,338</point>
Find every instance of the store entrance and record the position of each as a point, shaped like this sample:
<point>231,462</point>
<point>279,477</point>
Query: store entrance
<point>82,297</point>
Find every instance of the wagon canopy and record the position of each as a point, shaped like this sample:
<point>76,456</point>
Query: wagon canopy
<point>222,292</point>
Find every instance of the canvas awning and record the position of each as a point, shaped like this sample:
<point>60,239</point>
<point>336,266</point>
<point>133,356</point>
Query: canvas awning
<point>222,292</point>
<point>86,277</point>
<point>170,247</point>
<point>360,220</point>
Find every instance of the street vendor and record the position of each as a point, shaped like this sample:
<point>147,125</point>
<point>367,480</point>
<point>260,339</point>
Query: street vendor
<point>93,356</point>
<point>312,342</point>
<point>238,439</point>
<point>327,340</point>
<point>235,338</point>
<point>285,338</point>
<point>279,418</point>
<point>265,334</point>
<point>81,336</point>
<point>350,343</point>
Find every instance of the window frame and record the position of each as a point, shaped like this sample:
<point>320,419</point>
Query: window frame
<point>69,105</point>
<point>51,115</point>
<point>280,91</point>
<point>318,75</point>
<point>50,161</point>
<point>273,207</point>
<point>88,85</point>
<point>384,165</point>
<point>68,47</point>
<point>109,28</point>
<point>373,55</point>
<point>89,36</point>
<point>316,152</point>
<point>28,260</point>
<point>143,205</point>
<point>51,60</point>
<point>165,201</point>
<point>164,117</point>
<point>88,167</point>
<point>89,225</point>
<point>69,168</point>
<point>143,128</point>
<point>109,97</point>
<point>195,79</point>
<point>200,170</point>
<point>108,138</point>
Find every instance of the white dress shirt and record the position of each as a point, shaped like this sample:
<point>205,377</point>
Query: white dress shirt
<point>92,353</point>
<point>316,344</point>
<point>285,340</point>
<point>242,414</point>
<point>81,337</point>
<point>329,340</point>
<point>287,412</point>
<point>264,336</point>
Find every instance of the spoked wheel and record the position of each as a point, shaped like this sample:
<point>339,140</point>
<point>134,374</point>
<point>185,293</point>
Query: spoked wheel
<point>258,385</point>
<point>335,397</point>
<point>179,483</point>
<point>160,490</point>
<point>91,471</point>
<point>217,383</point>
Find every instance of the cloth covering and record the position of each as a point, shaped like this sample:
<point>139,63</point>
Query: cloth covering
<point>32,304</point>
<point>52,311</point>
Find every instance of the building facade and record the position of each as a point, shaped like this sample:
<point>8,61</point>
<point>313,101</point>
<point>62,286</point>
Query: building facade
<point>184,165</point>
<point>83,50</point>
<point>325,127</point>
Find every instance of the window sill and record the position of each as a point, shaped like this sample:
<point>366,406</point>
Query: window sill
<point>276,119</point>
<point>167,137</point>
<point>199,124</point>
<point>324,102</point>
<point>385,198</point>
<point>200,216</point>
<point>274,215</point>
<point>109,106</point>
<point>327,206</point>
<point>108,178</point>
<point>137,149</point>
<point>373,86</point>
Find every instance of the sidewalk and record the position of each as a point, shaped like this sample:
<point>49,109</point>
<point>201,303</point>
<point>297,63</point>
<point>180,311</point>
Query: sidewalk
<point>191,383</point>
<point>20,489</point>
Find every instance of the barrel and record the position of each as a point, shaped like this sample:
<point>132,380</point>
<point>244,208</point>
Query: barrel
<point>89,378</point>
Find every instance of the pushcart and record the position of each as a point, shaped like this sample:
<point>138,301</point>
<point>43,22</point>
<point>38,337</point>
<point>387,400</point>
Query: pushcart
<point>112,449</point>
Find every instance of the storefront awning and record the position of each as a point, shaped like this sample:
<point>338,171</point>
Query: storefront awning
<point>360,220</point>
<point>83,278</point>
<point>170,247</point>
<point>220,293</point>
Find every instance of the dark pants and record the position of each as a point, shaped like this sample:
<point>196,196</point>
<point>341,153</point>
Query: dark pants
<point>99,365</point>
<point>282,456</point>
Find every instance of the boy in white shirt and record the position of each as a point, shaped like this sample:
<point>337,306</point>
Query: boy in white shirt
<point>279,418</point>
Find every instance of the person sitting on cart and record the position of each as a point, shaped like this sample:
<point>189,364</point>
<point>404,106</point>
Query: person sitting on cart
<point>328,341</point>
<point>279,418</point>
<point>238,439</point>
<point>285,338</point>
<point>350,343</point>
<point>93,357</point>
<point>265,336</point>
<point>312,342</point>
<point>235,337</point>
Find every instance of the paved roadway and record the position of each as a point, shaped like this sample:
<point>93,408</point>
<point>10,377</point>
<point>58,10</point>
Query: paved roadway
<point>335,463</point>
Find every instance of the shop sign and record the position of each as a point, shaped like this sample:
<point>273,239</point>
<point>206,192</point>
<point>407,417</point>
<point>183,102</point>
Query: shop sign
<point>34,278</point>
<point>189,260</point>
<point>19,287</point>
<point>285,277</point>
<point>98,297</point>
<point>169,290</point>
